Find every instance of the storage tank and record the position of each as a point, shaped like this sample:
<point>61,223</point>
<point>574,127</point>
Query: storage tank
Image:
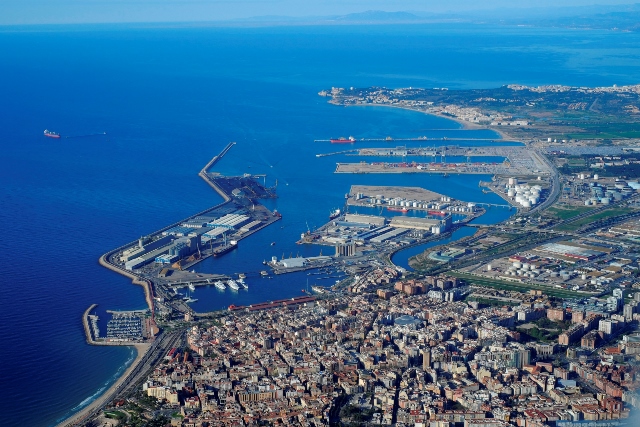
<point>526,266</point>
<point>517,264</point>
<point>488,267</point>
<point>526,204</point>
<point>554,274</point>
<point>596,177</point>
<point>584,277</point>
<point>605,200</point>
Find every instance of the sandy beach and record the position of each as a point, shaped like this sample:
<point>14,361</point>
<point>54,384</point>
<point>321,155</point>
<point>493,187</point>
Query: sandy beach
<point>109,393</point>
<point>465,124</point>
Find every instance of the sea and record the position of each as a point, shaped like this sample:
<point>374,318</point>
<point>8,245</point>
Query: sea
<point>169,98</point>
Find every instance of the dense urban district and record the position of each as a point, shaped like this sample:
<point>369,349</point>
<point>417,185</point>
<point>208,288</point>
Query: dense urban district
<point>529,322</point>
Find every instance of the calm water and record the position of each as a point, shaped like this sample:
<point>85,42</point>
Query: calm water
<point>170,99</point>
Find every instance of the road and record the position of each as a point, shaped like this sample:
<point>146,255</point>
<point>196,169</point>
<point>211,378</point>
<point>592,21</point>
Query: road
<point>139,373</point>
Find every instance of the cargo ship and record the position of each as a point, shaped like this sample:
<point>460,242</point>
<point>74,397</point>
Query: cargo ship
<point>224,249</point>
<point>334,214</point>
<point>51,134</point>
<point>437,213</point>
<point>343,140</point>
<point>403,210</point>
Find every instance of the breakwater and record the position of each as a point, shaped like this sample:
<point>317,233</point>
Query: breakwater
<point>147,284</point>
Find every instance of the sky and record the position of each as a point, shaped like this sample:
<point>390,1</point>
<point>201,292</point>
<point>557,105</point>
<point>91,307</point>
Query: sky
<point>26,12</point>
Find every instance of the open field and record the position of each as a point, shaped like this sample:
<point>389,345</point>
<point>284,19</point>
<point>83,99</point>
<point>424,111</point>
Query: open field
<point>568,212</point>
<point>609,213</point>
<point>516,286</point>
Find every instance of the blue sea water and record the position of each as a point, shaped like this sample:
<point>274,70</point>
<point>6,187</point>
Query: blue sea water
<point>171,98</point>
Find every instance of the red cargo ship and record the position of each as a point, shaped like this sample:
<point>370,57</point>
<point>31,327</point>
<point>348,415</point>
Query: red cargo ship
<point>51,134</point>
<point>403,210</point>
<point>343,140</point>
<point>438,213</point>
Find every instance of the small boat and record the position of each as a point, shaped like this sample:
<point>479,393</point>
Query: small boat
<point>334,214</point>
<point>192,287</point>
<point>233,285</point>
<point>273,243</point>
<point>220,285</point>
<point>190,300</point>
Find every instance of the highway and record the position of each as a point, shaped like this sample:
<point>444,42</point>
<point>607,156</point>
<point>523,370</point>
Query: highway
<point>556,185</point>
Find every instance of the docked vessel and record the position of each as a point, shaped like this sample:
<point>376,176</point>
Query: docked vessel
<point>343,140</point>
<point>220,285</point>
<point>192,287</point>
<point>403,210</point>
<point>334,214</point>
<point>233,285</point>
<point>51,134</point>
<point>189,300</point>
<point>224,249</point>
<point>437,213</point>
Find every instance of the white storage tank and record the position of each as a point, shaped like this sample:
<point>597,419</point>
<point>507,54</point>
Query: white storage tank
<point>596,177</point>
<point>517,264</point>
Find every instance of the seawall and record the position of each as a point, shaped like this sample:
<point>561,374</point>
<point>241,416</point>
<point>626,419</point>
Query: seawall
<point>146,284</point>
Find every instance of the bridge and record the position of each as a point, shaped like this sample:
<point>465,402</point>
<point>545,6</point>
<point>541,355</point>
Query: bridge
<point>488,205</point>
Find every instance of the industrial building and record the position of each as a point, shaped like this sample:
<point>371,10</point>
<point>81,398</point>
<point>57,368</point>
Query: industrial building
<point>436,226</point>
<point>177,248</point>
<point>365,219</point>
<point>145,245</point>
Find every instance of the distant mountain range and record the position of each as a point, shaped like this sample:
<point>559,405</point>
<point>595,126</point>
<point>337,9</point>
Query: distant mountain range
<point>620,17</point>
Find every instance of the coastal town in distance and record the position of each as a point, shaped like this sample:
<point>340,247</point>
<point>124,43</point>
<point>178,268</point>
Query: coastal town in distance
<point>529,322</point>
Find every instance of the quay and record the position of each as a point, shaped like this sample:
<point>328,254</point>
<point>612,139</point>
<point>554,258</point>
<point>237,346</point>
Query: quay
<point>480,168</point>
<point>234,205</point>
<point>85,324</point>
<point>420,138</point>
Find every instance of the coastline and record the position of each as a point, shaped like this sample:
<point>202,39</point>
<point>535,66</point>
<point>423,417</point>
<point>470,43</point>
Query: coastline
<point>465,124</point>
<point>103,399</point>
<point>147,285</point>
